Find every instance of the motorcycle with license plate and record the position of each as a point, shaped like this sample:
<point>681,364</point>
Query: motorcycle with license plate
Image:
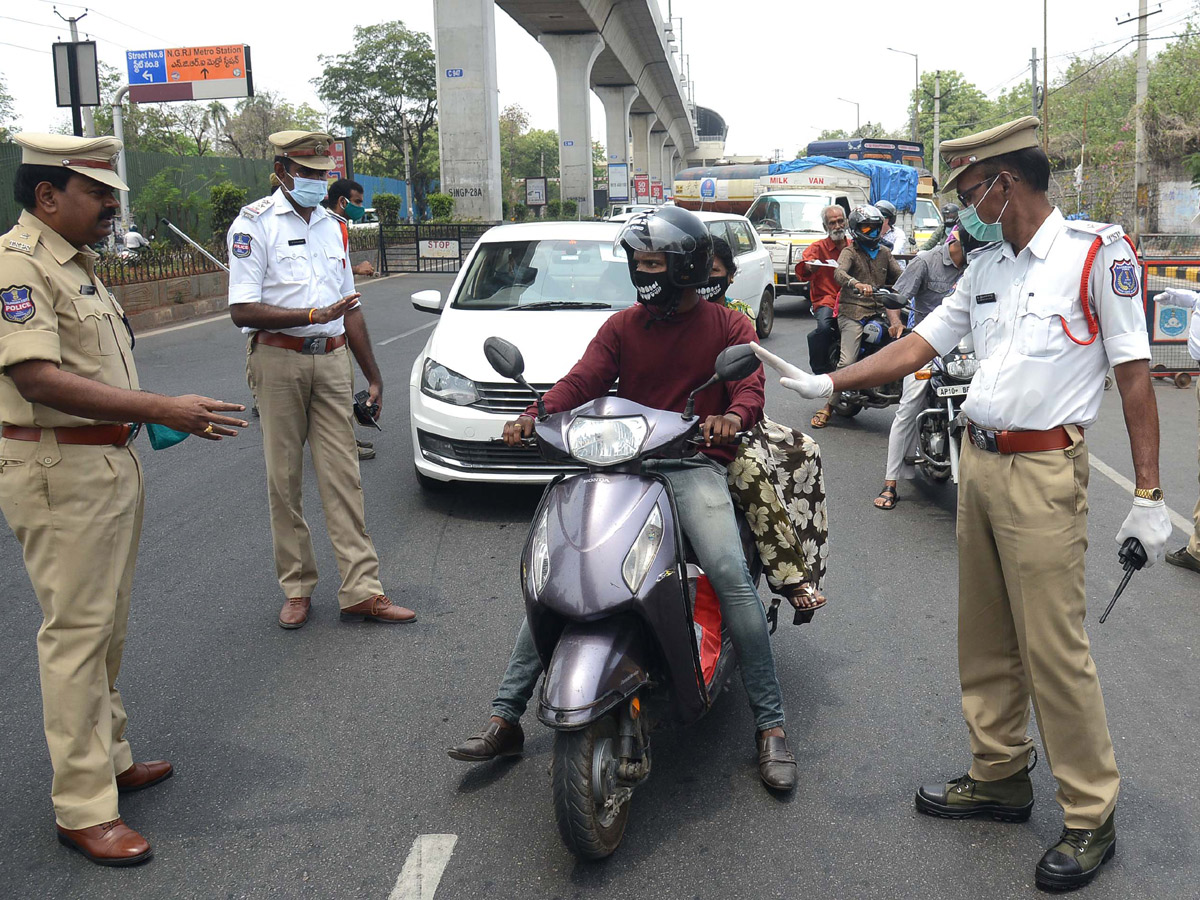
<point>941,424</point>
<point>625,623</point>
<point>875,337</point>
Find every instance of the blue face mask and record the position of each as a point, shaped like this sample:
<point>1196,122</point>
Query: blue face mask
<point>308,192</point>
<point>982,231</point>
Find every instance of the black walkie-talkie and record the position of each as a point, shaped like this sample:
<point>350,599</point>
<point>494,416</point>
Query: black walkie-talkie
<point>1132,556</point>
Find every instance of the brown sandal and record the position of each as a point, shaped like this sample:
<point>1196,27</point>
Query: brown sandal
<point>806,600</point>
<point>820,418</point>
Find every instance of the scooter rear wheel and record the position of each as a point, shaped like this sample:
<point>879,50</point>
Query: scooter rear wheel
<point>583,775</point>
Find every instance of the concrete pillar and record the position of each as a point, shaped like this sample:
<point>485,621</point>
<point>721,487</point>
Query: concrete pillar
<point>640,125</point>
<point>573,56</point>
<point>670,154</point>
<point>468,106</point>
<point>617,100</point>
<point>657,140</point>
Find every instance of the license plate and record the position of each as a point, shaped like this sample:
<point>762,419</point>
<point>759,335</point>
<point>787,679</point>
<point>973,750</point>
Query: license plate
<point>952,390</point>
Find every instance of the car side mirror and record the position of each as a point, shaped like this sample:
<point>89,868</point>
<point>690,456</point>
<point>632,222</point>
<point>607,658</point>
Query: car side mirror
<point>428,301</point>
<point>504,357</point>
<point>736,363</point>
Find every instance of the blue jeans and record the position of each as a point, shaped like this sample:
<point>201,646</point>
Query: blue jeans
<point>707,516</point>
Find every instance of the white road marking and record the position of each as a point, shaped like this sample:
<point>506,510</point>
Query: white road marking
<point>397,337</point>
<point>1184,525</point>
<point>218,317</point>
<point>423,869</point>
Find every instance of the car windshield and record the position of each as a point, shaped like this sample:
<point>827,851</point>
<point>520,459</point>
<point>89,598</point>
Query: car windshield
<point>927,215</point>
<point>546,275</point>
<point>798,212</point>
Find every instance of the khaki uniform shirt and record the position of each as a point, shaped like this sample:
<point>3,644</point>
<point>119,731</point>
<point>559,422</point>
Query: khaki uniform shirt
<point>53,307</point>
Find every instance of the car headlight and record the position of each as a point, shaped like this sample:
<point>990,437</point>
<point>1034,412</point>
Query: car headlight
<point>606,442</point>
<point>962,367</point>
<point>447,385</point>
<point>539,556</point>
<point>642,553</point>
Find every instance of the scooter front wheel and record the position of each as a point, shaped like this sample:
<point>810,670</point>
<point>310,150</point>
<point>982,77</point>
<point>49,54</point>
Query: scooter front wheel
<point>590,806</point>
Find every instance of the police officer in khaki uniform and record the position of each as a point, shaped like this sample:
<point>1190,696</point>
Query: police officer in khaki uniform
<point>291,289</point>
<point>1044,347</point>
<point>70,482</point>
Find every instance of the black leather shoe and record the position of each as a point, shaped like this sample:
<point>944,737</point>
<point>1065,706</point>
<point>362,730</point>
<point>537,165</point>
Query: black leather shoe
<point>1077,857</point>
<point>776,764</point>
<point>498,739</point>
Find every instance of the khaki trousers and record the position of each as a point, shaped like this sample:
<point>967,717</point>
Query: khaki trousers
<point>303,398</point>
<point>850,332</point>
<point>77,512</point>
<point>1194,540</point>
<point>1022,535</point>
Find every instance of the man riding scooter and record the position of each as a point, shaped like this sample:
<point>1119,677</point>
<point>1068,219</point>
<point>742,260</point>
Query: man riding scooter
<point>657,351</point>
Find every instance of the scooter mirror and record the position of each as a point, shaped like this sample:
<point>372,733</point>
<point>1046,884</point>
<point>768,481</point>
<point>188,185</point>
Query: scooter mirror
<point>891,300</point>
<point>736,363</point>
<point>504,357</point>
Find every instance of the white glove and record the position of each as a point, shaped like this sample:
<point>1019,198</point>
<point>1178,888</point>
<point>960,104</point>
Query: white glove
<point>1150,523</point>
<point>1177,297</point>
<point>814,387</point>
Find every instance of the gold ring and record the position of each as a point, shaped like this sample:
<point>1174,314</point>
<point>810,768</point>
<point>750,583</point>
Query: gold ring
<point>208,428</point>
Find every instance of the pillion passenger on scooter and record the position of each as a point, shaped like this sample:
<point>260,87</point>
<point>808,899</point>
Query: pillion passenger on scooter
<point>658,351</point>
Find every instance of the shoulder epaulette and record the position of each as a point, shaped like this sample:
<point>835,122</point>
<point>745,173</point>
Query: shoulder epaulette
<point>20,238</point>
<point>257,208</point>
<point>1109,234</point>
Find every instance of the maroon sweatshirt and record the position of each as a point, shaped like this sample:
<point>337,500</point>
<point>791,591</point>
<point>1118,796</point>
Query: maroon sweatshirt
<point>658,364</point>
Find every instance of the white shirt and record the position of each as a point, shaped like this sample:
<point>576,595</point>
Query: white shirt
<point>899,240</point>
<point>1194,336</point>
<point>134,240</point>
<point>1032,376</point>
<point>277,258</point>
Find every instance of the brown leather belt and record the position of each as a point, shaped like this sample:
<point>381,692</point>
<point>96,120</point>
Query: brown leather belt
<point>1019,441</point>
<point>98,435</point>
<point>312,346</point>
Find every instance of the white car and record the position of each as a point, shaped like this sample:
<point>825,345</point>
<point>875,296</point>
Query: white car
<point>623,212</point>
<point>754,283</point>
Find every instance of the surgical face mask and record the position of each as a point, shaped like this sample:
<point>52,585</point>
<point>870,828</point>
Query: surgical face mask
<point>307,192</point>
<point>354,212</point>
<point>715,289</point>
<point>162,437</point>
<point>655,289</point>
<point>984,232</point>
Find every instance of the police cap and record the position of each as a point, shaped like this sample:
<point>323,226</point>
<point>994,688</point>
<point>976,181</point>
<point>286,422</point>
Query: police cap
<point>308,148</point>
<point>95,157</point>
<point>962,153</point>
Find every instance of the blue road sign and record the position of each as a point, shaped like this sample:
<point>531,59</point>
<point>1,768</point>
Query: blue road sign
<point>454,73</point>
<point>146,66</point>
<point>568,143</point>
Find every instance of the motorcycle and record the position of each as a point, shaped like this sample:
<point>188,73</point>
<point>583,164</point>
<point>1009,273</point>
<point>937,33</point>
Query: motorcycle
<point>625,623</point>
<point>941,424</point>
<point>875,338</point>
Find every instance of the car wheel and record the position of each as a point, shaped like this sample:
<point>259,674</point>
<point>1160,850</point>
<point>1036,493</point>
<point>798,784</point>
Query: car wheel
<point>766,315</point>
<point>431,485</point>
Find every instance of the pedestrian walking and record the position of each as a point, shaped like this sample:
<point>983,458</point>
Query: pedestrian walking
<point>71,485</point>
<point>292,291</point>
<point>1045,336</point>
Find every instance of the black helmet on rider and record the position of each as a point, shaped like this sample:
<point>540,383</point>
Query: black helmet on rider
<point>950,214</point>
<point>888,209</point>
<point>866,226</point>
<point>687,248</point>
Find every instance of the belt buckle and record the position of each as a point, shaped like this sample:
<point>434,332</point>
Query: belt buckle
<point>135,428</point>
<point>983,439</point>
<point>313,346</point>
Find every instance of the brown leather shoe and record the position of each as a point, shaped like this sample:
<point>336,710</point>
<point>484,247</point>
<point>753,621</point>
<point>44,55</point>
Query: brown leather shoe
<point>295,612</point>
<point>776,764</point>
<point>379,609</point>
<point>498,739</point>
<point>111,844</point>
<point>143,775</point>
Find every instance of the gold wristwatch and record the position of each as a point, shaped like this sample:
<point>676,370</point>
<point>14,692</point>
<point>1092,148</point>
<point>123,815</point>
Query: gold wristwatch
<point>1155,494</point>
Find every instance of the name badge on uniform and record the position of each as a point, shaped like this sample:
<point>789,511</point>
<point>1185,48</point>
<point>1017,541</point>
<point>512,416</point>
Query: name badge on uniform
<point>296,242</point>
<point>985,298</point>
<point>87,289</point>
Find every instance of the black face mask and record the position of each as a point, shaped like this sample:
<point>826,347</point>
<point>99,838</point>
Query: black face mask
<point>655,290</point>
<point>715,290</point>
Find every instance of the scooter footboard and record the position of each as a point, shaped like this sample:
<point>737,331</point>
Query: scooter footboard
<point>595,666</point>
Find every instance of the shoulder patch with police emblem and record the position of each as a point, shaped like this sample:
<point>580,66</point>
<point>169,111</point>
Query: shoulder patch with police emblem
<point>16,303</point>
<point>257,208</point>
<point>1125,278</point>
<point>239,246</point>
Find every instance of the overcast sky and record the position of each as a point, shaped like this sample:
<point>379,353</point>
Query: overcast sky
<point>773,68</point>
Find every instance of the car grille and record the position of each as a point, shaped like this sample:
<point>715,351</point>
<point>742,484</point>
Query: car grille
<point>484,455</point>
<point>507,398</point>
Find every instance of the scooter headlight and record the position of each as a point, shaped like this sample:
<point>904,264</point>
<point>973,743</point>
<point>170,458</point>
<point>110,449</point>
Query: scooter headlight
<point>539,557</point>
<point>642,553</point>
<point>606,442</point>
<point>962,367</point>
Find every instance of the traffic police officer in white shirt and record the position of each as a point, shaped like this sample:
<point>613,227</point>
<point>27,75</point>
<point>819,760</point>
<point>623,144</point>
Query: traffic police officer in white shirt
<point>1022,505</point>
<point>1188,557</point>
<point>291,288</point>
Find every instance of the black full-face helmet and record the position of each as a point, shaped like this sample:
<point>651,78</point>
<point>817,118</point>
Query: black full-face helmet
<point>950,214</point>
<point>680,235</point>
<point>888,208</point>
<point>866,226</point>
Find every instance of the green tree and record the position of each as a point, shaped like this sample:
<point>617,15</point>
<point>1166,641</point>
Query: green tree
<point>386,90</point>
<point>226,200</point>
<point>6,112</point>
<point>246,131</point>
<point>964,109</point>
<point>173,193</point>
<point>388,207</point>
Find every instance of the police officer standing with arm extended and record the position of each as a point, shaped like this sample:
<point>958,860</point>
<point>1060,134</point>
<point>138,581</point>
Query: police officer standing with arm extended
<point>71,484</point>
<point>291,288</point>
<point>1022,505</point>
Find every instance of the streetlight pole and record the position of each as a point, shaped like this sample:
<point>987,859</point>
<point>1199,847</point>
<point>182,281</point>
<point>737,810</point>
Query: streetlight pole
<point>857,116</point>
<point>916,88</point>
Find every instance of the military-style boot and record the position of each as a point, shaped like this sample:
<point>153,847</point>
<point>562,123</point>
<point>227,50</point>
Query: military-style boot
<point>1077,857</point>
<point>1007,800</point>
